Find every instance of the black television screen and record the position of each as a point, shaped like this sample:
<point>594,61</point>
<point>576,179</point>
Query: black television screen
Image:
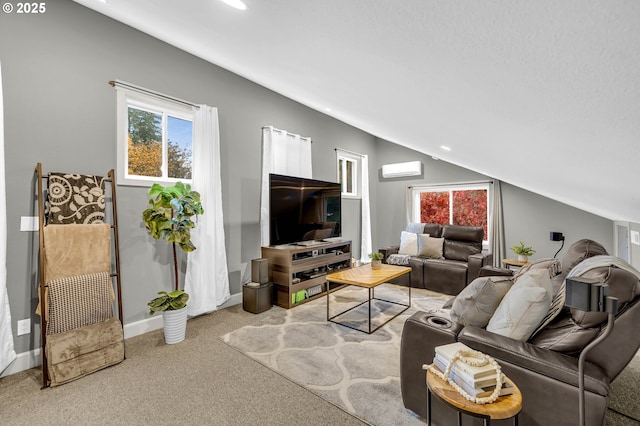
<point>302,209</point>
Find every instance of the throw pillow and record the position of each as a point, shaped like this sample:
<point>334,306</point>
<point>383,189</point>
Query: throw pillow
<point>551,265</point>
<point>416,228</point>
<point>477,302</point>
<point>524,306</point>
<point>408,243</point>
<point>430,247</point>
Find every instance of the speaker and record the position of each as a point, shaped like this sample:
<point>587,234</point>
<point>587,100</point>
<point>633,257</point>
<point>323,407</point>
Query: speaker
<point>586,294</point>
<point>260,271</point>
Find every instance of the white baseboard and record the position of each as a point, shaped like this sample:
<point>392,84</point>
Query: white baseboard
<point>23,361</point>
<point>32,358</point>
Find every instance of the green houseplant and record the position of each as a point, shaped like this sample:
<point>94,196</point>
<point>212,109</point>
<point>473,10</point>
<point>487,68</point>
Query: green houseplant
<point>172,301</point>
<point>376,260</point>
<point>169,217</point>
<point>523,251</point>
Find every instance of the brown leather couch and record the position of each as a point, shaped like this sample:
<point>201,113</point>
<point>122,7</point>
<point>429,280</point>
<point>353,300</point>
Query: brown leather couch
<point>463,259</point>
<point>545,368</point>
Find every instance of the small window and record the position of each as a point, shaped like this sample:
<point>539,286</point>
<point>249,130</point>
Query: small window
<point>155,142</point>
<point>348,174</point>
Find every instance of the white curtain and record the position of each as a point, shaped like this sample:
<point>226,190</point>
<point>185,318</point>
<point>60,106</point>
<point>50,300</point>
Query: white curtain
<point>365,245</point>
<point>207,277</point>
<point>285,154</point>
<point>7,353</point>
<point>497,225</point>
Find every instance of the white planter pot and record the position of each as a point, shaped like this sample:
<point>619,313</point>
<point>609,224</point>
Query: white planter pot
<point>376,264</point>
<point>522,258</point>
<point>175,325</point>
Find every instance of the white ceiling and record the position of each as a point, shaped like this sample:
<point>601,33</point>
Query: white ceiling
<point>541,94</point>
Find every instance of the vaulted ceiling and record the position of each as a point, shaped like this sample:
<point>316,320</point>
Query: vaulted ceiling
<point>544,94</point>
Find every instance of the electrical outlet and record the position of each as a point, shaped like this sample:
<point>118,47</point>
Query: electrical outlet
<point>24,326</point>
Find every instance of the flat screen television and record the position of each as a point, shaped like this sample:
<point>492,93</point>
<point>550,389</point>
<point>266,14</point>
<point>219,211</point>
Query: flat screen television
<point>302,210</point>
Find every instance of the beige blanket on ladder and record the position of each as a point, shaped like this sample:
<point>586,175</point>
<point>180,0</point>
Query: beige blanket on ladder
<point>75,249</point>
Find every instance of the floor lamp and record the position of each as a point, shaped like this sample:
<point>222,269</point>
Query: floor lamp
<point>590,295</point>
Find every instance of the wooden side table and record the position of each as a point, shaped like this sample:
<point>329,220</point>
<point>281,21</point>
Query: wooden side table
<point>508,263</point>
<point>505,407</point>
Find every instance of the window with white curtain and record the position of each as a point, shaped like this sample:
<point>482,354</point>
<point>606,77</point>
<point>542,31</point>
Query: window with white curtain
<point>155,140</point>
<point>453,204</point>
<point>348,166</point>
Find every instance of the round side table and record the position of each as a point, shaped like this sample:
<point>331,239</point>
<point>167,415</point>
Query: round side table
<point>505,407</point>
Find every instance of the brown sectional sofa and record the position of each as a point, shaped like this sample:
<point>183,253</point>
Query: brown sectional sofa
<point>545,367</point>
<point>463,259</point>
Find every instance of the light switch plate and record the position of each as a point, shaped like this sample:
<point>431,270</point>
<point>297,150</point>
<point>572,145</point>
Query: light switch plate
<point>29,223</point>
<point>24,326</point>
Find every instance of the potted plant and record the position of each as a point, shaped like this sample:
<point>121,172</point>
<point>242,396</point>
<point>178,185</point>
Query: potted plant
<point>169,217</point>
<point>174,314</point>
<point>376,260</point>
<point>523,251</point>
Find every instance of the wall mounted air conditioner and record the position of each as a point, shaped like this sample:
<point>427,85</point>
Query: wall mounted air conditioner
<point>411,168</point>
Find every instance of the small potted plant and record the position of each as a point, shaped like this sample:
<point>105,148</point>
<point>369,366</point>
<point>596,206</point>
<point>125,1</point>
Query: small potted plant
<point>169,218</point>
<point>523,251</point>
<point>376,260</point>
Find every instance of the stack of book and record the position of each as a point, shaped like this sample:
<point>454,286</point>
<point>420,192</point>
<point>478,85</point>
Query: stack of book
<point>478,382</point>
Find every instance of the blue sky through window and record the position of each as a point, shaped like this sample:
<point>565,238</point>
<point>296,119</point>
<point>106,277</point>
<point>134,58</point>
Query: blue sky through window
<point>181,132</point>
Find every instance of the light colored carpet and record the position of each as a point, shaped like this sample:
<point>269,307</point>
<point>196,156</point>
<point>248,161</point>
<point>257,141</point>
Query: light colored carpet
<point>355,371</point>
<point>624,396</point>
<point>360,373</point>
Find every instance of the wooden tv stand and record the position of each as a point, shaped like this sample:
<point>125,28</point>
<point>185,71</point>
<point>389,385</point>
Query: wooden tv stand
<point>293,268</point>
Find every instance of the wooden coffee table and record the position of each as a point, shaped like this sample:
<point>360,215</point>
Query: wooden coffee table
<point>366,277</point>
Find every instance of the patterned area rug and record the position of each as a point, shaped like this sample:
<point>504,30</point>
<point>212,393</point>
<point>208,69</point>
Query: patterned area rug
<point>358,372</point>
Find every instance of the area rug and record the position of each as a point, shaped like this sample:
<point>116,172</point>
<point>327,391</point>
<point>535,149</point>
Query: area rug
<point>358,372</point>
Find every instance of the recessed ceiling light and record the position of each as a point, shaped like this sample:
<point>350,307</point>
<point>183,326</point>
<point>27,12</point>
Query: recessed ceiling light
<point>101,1</point>
<point>445,148</point>
<point>327,109</point>
<point>238,4</point>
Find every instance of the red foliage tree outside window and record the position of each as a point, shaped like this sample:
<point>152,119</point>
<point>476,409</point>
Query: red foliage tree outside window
<point>469,208</point>
<point>434,207</point>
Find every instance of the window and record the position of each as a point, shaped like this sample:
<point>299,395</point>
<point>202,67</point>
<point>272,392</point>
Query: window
<point>458,205</point>
<point>155,140</point>
<point>348,174</point>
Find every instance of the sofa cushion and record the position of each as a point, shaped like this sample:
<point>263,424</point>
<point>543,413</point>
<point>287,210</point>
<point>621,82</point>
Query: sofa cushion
<point>476,303</point>
<point>579,251</point>
<point>445,276</point>
<point>460,250</point>
<point>551,265</point>
<point>430,247</point>
<point>433,229</point>
<point>472,234</point>
<point>408,243</point>
<point>523,307</point>
<point>462,241</point>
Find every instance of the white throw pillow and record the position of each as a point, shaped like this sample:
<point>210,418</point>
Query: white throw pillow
<point>408,243</point>
<point>524,306</point>
<point>430,247</point>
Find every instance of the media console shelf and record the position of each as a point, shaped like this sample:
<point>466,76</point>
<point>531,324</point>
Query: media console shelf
<point>294,268</point>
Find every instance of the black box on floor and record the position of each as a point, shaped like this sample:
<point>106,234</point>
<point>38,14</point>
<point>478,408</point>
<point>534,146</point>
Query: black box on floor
<point>256,299</point>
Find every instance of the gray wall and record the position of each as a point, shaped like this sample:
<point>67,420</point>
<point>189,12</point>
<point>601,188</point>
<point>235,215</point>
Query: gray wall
<point>528,217</point>
<point>59,110</point>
